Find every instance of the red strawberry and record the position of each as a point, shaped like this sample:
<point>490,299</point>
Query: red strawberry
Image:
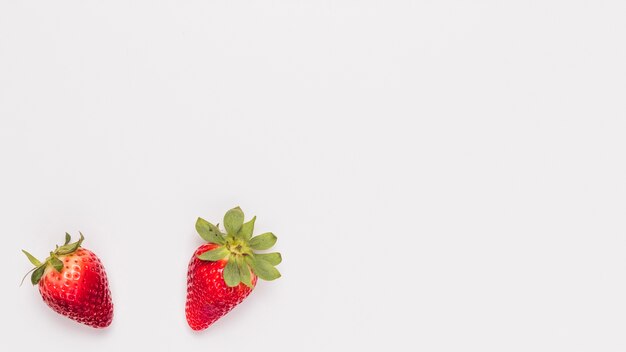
<point>224,271</point>
<point>72,281</point>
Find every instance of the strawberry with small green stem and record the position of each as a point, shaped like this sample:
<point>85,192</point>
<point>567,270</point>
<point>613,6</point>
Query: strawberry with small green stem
<point>223,271</point>
<point>72,282</point>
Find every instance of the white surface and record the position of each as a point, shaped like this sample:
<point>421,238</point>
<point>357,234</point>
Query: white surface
<point>442,176</point>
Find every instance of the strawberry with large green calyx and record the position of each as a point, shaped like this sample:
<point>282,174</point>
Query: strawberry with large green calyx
<point>72,281</point>
<point>224,271</point>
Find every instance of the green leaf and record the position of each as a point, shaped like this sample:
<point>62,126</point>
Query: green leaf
<point>57,264</point>
<point>233,220</point>
<point>214,254</point>
<point>272,258</point>
<point>209,232</point>
<point>70,248</point>
<point>24,278</point>
<point>244,271</point>
<point>68,238</point>
<point>32,259</point>
<point>231,273</point>
<point>246,230</point>
<point>263,269</point>
<point>264,241</point>
<point>37,274</point>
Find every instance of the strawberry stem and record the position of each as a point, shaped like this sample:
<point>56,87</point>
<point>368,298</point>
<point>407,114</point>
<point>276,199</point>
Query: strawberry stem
<point>238,247</point>
<point>53,260</point>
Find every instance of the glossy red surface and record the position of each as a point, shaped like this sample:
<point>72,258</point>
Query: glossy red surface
<point>80,291</point>
<point>208,296</point>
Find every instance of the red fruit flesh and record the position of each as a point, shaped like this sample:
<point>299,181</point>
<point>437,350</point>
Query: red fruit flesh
<point>80,291</point>
<point>208,296</point>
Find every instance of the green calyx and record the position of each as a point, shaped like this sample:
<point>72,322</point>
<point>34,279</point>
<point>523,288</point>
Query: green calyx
<point>239,248</point>
<point>53,259</point>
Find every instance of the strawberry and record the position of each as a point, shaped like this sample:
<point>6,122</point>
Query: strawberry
<point>72,282</point>
<point>224,271</point>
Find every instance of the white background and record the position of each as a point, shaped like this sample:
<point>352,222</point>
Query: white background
<point>441,175</point>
